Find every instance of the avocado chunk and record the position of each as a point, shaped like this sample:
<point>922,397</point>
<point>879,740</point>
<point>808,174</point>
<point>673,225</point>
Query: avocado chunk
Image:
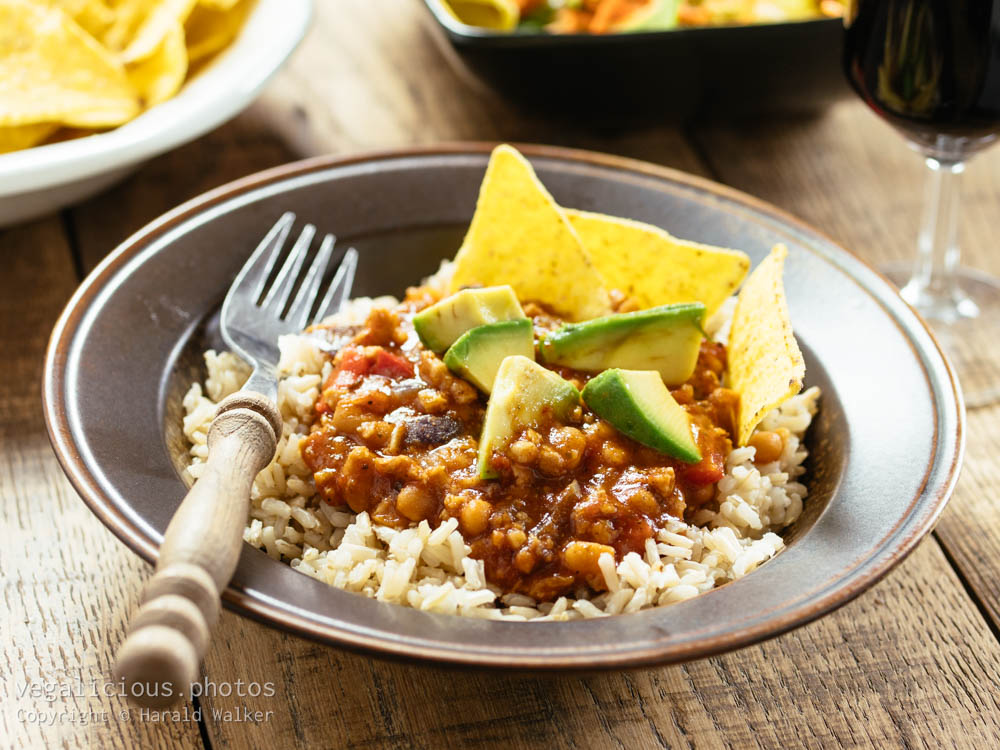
<point>477,354</point>
<point>638,404</point>
<point>440,325</point>
<point>665,339</point>
<point>522,394</point>
<point>655,15</point>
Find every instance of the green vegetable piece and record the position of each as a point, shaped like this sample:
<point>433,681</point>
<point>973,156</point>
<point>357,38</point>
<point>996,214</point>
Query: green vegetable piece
<point>523,392</point>
<point>655,15</point>
<point>638,404</point>
<point>666,339</point>
<point>440,325</point>
<point>477,354</point>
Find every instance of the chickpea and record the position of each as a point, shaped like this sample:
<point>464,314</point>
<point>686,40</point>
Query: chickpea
<point>582,557</point>
<point>376,433</point>
<point>525,560</point>
<point>474,517</point>
<point>462,392</point>
<point>769,446</point>
<point>432,369</point>
<point>523,475</point>
<point>432,401</point>
<point>642,501</point>
<point>359,474</point>
<point>523,452</point>
<point>570,443</point>
<point>613,454</point>
<point>415,502</point>
<point>516,538</point>
<point>549,461</point>
<point>663,481</point>
<point>684,394</point>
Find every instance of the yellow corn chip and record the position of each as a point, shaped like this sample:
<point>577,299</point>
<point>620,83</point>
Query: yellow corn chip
<point>209,29</point>
<point>93,16</point>
<point>24,136</point>
<point>654,268</point>
<point>218,4</point>
<point>155,25</point>
<point>500,15</point>
<point>51,70</point>
<point>519,236</point>
<point>765,364</point>
<point>127,16</point>
<point>160,75</point>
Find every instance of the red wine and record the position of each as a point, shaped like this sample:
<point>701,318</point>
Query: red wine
<point>929,67</point>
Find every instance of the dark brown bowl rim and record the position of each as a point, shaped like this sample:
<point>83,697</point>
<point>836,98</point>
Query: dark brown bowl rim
<point>74,465</point>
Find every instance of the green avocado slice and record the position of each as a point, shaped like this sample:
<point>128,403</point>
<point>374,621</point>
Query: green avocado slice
<point>655,15</point>
<point>638,404</point>
<point>440,325</point>
<point>477,354</point>
<point>522,392</point>
<point>665,339</point>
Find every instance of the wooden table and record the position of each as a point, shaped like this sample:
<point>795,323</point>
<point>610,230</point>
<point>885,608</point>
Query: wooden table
<point>915,662</point>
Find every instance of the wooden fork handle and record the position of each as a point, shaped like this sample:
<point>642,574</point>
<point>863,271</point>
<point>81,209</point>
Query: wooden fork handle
<point>169,633</point>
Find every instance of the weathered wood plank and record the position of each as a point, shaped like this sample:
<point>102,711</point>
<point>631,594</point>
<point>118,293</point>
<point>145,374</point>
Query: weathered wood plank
<point>67,582</point>
<point>869,674</point>
<point>908,664</point>
<point>852,176</point>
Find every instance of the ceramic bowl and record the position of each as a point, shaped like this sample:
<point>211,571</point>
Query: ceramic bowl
<point>39,180</point>
<point>885,448</point>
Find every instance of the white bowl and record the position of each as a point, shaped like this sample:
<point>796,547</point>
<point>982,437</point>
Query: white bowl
<point>39,180</point>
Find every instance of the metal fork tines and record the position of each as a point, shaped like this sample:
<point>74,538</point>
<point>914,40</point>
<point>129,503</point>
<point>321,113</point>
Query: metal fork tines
<point>201,546</point>
<point>251,326</point>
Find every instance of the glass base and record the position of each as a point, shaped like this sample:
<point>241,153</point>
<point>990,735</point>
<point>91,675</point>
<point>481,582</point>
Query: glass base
<point>967,327</point>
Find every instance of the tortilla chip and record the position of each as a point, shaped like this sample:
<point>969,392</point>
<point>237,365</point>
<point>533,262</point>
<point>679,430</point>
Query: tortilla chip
<point>159,76</point>
<point>520,236</point>
<point>24,136</point>
<point>126,18</point>
<point>51,70</point>
<point>94,16</point>
<point>158,20</point>
<point>209,29</point>
<point>765,364</point>
<point>218,4</point>
<point>654,268</point>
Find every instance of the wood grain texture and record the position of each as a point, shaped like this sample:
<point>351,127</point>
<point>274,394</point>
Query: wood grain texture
<point>67,582</point>
<point>852,176</point>
<point>910,664</point>
<point>906,665</point>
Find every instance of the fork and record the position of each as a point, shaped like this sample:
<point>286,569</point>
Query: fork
<point>169,633</point>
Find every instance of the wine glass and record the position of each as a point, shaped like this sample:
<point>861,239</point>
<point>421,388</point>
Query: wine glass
<point>931,68</point>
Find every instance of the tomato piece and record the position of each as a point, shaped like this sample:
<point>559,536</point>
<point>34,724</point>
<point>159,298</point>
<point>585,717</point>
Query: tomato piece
<point>351,367</point>
<point>391,366</point>
<point>355,363</point>
<point>709,470</point>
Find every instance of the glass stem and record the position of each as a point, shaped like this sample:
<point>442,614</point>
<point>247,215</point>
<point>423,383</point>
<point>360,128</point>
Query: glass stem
<point>933,288</point>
